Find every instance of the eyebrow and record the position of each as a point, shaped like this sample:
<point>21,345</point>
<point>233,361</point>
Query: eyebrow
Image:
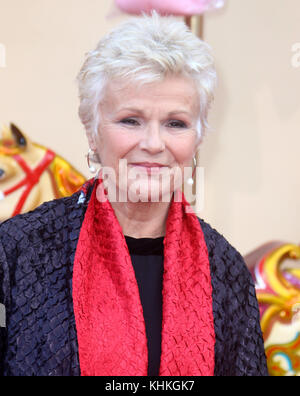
<point>136,110</point>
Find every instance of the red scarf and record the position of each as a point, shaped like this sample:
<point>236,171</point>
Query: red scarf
<point>108,312</point>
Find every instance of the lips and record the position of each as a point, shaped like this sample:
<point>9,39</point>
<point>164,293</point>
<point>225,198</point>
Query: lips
<point>148,164</point>
<point>149,167</point>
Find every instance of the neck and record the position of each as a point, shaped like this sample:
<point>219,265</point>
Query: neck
<point>142,219</point>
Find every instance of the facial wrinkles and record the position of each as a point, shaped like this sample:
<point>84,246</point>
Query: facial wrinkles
<point>159,111</point>
<point>149,99</point>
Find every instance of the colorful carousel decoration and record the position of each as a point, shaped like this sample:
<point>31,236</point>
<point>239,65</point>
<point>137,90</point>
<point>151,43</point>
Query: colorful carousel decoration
<point>31,174</point>
<point>276,271</point>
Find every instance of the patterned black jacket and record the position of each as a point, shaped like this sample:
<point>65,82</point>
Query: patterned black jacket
<point>37,251</point>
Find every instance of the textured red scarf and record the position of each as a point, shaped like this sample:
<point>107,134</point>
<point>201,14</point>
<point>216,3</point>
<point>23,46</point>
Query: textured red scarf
<point>108,312</point>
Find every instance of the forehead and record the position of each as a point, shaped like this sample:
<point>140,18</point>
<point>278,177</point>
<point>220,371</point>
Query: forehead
<point>171,92</point>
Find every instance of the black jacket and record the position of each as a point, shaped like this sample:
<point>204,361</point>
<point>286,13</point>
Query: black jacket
<point>37,251</point>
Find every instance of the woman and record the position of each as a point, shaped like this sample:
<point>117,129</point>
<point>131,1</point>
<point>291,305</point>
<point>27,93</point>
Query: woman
<point>122,278</point>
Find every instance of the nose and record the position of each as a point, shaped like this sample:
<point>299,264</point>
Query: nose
<point>152,140</point>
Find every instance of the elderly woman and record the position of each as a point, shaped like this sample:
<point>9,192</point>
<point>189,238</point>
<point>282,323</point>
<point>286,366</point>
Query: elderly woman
<point>114,281</point>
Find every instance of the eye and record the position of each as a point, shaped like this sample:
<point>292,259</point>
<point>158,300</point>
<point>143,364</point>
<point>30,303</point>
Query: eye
<point>177,124</point>
<point>2,174</point>
<point>129,121</point>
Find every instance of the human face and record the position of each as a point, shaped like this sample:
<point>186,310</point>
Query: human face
<point>154,124</point>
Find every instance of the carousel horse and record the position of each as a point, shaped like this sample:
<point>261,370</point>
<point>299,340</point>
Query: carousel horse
<point>31,174</point>
<point>275,268</point>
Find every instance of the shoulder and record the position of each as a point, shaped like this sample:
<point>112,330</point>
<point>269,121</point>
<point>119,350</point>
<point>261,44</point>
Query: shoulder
<point>38,218</point>
<point>51,216</point>
<point>31,234</point>
<point>41,215</point>
<point>38,243</point>
<point>221,252</point>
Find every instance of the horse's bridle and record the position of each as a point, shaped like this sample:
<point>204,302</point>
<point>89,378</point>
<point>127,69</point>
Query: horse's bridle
<point>31,179</point>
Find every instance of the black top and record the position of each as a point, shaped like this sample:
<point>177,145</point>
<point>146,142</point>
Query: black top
<point>147,256</point>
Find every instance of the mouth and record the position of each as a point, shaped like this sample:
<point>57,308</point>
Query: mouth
<point>149,167</point>
<point>148,164</point>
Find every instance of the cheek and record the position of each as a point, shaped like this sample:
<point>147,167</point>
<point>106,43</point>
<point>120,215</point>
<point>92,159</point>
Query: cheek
<point>112,146</point>
<point>183,150</point>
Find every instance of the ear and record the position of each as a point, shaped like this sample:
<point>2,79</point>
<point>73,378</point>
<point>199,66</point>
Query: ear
<point>18,136</point>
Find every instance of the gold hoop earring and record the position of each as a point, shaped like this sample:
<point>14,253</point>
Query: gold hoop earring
<point>190,180</point>
<point>91,158</point>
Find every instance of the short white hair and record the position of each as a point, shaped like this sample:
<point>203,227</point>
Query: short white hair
<point>146,49</point>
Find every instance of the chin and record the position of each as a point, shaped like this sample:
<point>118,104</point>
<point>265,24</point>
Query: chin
<point>147,191</point>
